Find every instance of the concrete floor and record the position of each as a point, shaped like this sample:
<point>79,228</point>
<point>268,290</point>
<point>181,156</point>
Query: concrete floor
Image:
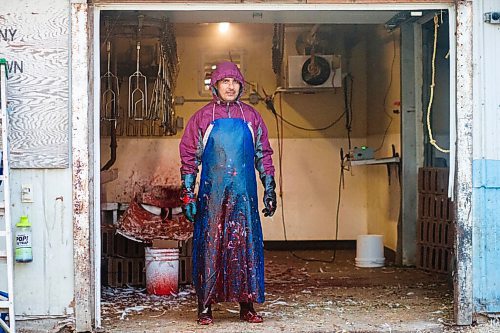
<point>302,296</point>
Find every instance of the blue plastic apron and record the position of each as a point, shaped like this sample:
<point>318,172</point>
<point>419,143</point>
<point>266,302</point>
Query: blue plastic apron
<point>228,258</point>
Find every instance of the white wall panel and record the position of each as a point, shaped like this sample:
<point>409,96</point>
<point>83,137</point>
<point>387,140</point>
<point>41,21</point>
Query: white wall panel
<point>311,170</point>
<point>311,174</point>
<point>486,91</point>
<point>34,40</point>
<point>45,286</point>
<point>383,193</point>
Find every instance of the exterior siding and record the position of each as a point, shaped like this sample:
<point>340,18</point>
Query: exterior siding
<point>486,239</point>
<point>486,164</point>
<point>34,40</point>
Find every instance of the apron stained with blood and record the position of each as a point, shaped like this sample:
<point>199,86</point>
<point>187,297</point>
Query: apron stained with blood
<point>228,258</point>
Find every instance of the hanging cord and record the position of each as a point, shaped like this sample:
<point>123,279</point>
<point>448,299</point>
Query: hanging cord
<point>279,121</point>
<point>279,133</point>
<point>282,119</point>
<point>432,141</point>
<point>348,87</point>
<point>387,94</point>
<point>279,130</point>
<point>270,98</point>
<point>310,129</point>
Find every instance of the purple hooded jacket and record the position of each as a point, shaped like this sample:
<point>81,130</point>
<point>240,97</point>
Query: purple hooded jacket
<point>191,146</point>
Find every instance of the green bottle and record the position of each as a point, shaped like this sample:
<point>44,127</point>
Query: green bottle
<point>24,252</point>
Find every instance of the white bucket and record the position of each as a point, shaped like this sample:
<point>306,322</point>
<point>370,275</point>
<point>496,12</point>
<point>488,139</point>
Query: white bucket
<point>162,271</point>
<point>370,251</point>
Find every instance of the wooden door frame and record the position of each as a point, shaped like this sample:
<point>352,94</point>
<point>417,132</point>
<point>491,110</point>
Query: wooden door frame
<point>85,135</point>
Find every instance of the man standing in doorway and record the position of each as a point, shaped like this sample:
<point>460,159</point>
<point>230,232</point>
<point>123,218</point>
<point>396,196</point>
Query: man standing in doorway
<point>228,139</point>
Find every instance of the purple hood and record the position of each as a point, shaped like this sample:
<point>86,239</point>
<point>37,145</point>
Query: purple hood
<point>227,69</point>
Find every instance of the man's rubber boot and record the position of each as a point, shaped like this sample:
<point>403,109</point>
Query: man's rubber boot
<point>205,315</point>
<point>248,313</point>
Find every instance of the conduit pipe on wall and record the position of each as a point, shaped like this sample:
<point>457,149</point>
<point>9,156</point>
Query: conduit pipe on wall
<point>112,145</point>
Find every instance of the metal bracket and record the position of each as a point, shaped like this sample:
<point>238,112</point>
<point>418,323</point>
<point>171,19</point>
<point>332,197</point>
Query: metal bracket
<point>397,164</point>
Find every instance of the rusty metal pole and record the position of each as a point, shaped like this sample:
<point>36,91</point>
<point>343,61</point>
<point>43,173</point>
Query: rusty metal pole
<point>463,305</point>
<point>80,97</point>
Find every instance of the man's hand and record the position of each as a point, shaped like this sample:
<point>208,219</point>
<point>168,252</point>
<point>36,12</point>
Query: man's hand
<point>269,195</point>
<point>270,205</point>
<point>190,211</point>
<point>188,197</point>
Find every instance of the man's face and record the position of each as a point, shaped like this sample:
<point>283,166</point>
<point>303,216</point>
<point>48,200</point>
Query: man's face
<point>228,89</point>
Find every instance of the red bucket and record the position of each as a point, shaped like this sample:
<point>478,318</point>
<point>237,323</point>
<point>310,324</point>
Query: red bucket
<point>162,271</point>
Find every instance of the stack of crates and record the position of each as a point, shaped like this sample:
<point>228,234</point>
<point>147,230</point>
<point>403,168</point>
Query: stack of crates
<point>186,262</point>
<point>122,259</point>
<point>436,221</point>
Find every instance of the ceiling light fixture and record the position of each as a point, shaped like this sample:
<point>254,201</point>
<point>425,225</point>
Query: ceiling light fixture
<point>223,27</point>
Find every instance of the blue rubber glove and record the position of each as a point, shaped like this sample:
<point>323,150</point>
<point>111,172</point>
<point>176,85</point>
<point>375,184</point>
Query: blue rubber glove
<point>269,195</point>
<point>188,197</point>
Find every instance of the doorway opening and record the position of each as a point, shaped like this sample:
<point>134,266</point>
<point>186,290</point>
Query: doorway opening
<point>349,139</point>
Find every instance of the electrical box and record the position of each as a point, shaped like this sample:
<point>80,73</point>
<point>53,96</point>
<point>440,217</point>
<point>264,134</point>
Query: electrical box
<point>26,193</point>
<point>492,17</point>
<point>362,153</point>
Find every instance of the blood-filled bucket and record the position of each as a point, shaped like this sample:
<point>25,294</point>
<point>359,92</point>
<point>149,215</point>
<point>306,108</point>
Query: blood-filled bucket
<point>162,271</point>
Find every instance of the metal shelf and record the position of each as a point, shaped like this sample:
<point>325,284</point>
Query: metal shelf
<point>374,161</point>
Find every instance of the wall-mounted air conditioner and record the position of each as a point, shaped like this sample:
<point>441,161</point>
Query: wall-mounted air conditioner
<point>318,71</point>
